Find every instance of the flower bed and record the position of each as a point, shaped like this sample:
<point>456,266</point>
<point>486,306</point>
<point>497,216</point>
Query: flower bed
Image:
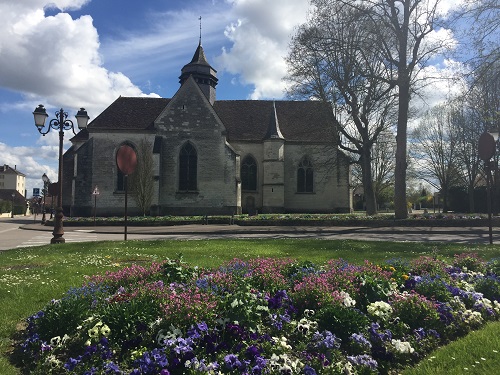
<point>381,220</point>
<point>261,316</point>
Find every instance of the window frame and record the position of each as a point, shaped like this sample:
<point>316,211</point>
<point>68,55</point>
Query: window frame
<point>249,181</point>
<point>187,180</point>
<point>305,176</point>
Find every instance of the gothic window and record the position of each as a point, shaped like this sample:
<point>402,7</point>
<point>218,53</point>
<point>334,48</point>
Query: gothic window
<point>249,174</point>
<point>188,160</point>
<point>305,175</point>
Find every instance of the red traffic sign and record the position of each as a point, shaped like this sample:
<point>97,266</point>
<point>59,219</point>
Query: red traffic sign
<point>487,146</point>
<point>126,159</point>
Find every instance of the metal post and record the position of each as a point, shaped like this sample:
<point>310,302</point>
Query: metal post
<point>488,198</point>
<point>58,232</point>
<point>126,202</point>
<point>44,209</point>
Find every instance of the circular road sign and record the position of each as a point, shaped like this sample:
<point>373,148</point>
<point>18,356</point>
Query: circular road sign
<point>487,146</point>
<point>126,159</point>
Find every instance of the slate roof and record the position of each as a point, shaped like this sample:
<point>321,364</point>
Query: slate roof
<point>6,169</point>
<point>245,120</point>
<point>300,121</point>
<point>129,113</point>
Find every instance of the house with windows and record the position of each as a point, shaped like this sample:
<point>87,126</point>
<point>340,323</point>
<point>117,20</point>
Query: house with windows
<point>211,156</point>
<point>12,179</point>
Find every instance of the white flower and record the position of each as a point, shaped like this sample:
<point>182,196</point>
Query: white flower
<point>402,346</point>
<point>54,341</point>
<point>380,309</point>
<point>105,330</point>
<point>347,300</point>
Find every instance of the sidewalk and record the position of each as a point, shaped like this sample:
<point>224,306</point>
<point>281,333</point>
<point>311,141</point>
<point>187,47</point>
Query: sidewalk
<point>236,229</point>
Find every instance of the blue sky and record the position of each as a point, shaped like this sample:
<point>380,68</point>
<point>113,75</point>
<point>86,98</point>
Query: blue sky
<point>86,53</point>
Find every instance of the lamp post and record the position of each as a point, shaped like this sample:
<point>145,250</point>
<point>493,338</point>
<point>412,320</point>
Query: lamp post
<point>12,213</point>
<point>487,147</point>
<point>60,123</point>
<point>46,181</point>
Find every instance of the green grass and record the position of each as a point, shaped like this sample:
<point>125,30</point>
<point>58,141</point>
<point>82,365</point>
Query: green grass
<point>31,277</point>
<point>477,353</point>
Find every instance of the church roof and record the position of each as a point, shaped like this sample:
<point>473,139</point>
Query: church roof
<point>199,56</point>
<point>129,113</point>
<point>244,120</point>
<point>301,121</point>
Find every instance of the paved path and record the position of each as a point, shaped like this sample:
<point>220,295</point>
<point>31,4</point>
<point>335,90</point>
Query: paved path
<point>23,231</point>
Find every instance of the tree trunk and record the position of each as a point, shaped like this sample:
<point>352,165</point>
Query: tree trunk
<point>400,207</point>
<point>470,193</point>
<point>369,191</point>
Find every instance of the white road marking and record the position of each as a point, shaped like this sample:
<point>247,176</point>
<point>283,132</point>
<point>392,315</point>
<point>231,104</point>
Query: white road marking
<point>69,237</point>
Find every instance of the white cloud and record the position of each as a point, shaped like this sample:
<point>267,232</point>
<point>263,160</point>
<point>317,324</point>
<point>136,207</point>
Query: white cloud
<point>56,59</point>
<point>260,34</point>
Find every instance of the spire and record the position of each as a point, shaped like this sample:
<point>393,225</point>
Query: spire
<point>204,75</point>
<point>200,32</point>
<point>273,131</point>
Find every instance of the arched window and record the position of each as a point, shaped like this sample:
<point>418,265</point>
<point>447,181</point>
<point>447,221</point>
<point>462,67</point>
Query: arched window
<point>249,174</point>
<point>188,161</point>
<point>305,176</point>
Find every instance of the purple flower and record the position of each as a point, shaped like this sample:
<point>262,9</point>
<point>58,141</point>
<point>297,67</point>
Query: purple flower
<point>308,370</point>
<point>360,340</point>
<point>72,363</point>
<point>112,368</point>
<point>232,362</point>
<point>363,360</point>
<point>252,351</point>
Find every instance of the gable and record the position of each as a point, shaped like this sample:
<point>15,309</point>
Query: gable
<point>189,110</point>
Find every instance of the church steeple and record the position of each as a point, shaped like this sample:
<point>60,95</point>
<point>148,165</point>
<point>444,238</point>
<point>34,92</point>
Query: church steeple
<point>202,72</point>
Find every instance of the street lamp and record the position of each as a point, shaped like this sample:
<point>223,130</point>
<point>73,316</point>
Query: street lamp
<point>12,213</point>
<point>60,123</point>
<point>46,181</point>
<point>487,146</point>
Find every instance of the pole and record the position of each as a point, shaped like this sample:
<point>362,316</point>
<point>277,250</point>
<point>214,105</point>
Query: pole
<point>58,222</point>
<point>44,192</point>
<point>126,201</point>
<point>488,197</point>
<point>95,206</point>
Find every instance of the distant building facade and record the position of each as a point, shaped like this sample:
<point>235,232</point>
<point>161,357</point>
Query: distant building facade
<point>12,179</point>
<point>212,157</point>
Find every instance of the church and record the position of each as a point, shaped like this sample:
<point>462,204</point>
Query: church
<point>211,157</point>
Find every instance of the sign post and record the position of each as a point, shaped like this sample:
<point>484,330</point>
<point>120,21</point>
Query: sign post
<point>126,160</point>
<point>487,148</point>
<point>95,193</point>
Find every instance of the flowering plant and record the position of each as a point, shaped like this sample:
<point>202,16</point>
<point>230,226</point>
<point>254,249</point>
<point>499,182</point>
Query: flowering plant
<point>261,316</point>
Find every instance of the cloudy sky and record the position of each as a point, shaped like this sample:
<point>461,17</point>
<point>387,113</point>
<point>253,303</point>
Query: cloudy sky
<point>86,53</point>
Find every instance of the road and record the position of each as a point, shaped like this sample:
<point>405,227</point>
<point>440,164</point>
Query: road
<point>34,234</point>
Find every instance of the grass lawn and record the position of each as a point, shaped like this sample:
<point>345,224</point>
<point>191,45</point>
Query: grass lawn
<point>31,277</point>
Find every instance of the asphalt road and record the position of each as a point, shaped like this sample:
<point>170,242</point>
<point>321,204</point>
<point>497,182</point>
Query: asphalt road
<point>25,231</point>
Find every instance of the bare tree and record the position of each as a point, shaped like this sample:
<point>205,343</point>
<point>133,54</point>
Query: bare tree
<point>401,35</point>
<point>434,149</point>
<point>383,164</point>
<point>468,128</point>
<point>142,179</point>
<point>331,59</point>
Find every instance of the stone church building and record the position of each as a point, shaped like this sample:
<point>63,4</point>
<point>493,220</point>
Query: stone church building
<point>211,156</point>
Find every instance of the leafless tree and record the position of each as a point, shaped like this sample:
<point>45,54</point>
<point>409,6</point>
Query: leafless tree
<point>434,151</point>
<point>142,179</point>
<point>401,34</point>
<point>331,59</point>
